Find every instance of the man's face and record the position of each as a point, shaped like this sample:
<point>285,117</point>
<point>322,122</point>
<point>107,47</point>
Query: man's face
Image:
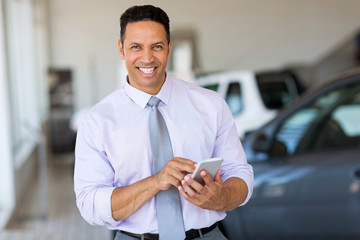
<point>146,51</point>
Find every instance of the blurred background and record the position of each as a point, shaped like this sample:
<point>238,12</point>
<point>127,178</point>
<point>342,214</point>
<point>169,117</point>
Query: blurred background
<point>60,57</point>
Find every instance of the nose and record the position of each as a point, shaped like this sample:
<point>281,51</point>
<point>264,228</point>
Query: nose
<point>147,55</point>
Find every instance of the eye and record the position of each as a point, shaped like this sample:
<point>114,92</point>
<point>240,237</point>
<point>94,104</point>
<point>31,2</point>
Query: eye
<point>158,47</point>
<point>135,47</point>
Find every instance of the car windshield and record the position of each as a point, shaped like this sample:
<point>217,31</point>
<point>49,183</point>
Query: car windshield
<point>330,122</point>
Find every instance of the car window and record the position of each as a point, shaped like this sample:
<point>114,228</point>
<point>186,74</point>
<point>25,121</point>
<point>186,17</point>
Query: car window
<point>213,87</point>
<point>234,98</point>
<point>331,121</point>
<point>340,128</point>
<point>348,117</point>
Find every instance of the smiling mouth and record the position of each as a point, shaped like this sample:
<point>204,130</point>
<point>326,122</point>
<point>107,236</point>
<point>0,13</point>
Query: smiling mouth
<point>147,70</point>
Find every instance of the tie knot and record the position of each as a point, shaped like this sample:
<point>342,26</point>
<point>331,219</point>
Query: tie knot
<point>154,101</point>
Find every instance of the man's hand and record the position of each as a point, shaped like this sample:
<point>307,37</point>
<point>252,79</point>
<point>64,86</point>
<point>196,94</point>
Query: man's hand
<point>210,196</point>
<point>126,200</point>
<point>174,172</point>
<point>215,194</point>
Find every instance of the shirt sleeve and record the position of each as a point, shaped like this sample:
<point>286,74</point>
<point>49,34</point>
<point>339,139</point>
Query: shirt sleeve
<point>228,146</point>
<point>93,175</point>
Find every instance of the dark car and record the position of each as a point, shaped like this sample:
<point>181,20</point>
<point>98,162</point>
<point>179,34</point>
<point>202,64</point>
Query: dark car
<point>307,169</point>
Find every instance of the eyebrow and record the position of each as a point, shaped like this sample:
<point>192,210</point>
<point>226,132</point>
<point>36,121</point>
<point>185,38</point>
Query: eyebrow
<point>161,42</point>
<point>136,43</point>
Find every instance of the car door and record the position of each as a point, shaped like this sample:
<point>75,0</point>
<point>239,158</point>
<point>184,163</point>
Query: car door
<point>312,191</point>
<point>308,187</point>
<point>306,196</point>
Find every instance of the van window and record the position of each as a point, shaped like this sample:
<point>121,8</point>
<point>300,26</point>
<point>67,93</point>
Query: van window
<point>278,89</point>
<point>274,94</point>
<point>234,98</point>
<point>213,87</point>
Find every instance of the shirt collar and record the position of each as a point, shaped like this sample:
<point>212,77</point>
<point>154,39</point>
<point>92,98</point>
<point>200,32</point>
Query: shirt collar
<point>164,93</point>
<point>141,98</point>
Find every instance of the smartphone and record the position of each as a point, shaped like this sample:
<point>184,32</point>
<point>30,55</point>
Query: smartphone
<point>211,165</point>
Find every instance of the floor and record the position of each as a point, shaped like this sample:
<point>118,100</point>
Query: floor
<point>56,216</point>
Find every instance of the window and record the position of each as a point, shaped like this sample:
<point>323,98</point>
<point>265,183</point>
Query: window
<point>234,98</point>
<point>348,118</point>
<point>330,122</point>
<point>274,94</point>
<point>23,79</point>
<point>341,127</point>
<point>213,87</point>
<point>276,89</point>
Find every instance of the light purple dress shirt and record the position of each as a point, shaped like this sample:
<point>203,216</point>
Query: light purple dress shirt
<point>113,150</point>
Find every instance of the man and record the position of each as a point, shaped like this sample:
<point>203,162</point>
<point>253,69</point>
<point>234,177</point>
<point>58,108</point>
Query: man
<point>116,183</point>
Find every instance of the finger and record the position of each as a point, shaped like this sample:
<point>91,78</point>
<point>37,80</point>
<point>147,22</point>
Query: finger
<point>185,195</point>
<point>198,187</point>
<point>179,175</point>
<point>171,169</point>
<point>188,189</point>
<point>171,176</point>
<point>218,177</point>
<point>182,165</point>
<point>207,178</point>
<point>173,181</point>
<point>182,192</point>
<point>184,160</point>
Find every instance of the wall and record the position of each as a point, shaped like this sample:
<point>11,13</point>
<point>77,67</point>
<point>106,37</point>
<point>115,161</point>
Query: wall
<point>232,35</point>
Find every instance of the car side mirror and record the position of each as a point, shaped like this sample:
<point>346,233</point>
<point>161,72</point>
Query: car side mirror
<point>261,143</point>
<point>278,149</point>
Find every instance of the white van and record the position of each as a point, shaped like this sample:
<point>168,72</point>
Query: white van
<point>254,98</point>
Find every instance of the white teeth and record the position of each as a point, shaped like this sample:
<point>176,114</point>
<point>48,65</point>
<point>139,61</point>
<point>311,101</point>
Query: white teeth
<point>147,70</point>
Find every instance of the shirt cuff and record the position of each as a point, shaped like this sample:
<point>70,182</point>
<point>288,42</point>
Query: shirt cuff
<point>249,183</point>
<point>102,202</point>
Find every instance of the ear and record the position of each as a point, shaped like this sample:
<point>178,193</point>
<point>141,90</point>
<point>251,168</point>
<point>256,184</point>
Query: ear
<point>121,50</point>
<point>170,46</point>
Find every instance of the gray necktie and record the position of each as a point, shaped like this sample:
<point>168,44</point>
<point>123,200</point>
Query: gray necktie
<point>168,208</point>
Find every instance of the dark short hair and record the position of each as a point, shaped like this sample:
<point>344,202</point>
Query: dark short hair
<point>144,13</point>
